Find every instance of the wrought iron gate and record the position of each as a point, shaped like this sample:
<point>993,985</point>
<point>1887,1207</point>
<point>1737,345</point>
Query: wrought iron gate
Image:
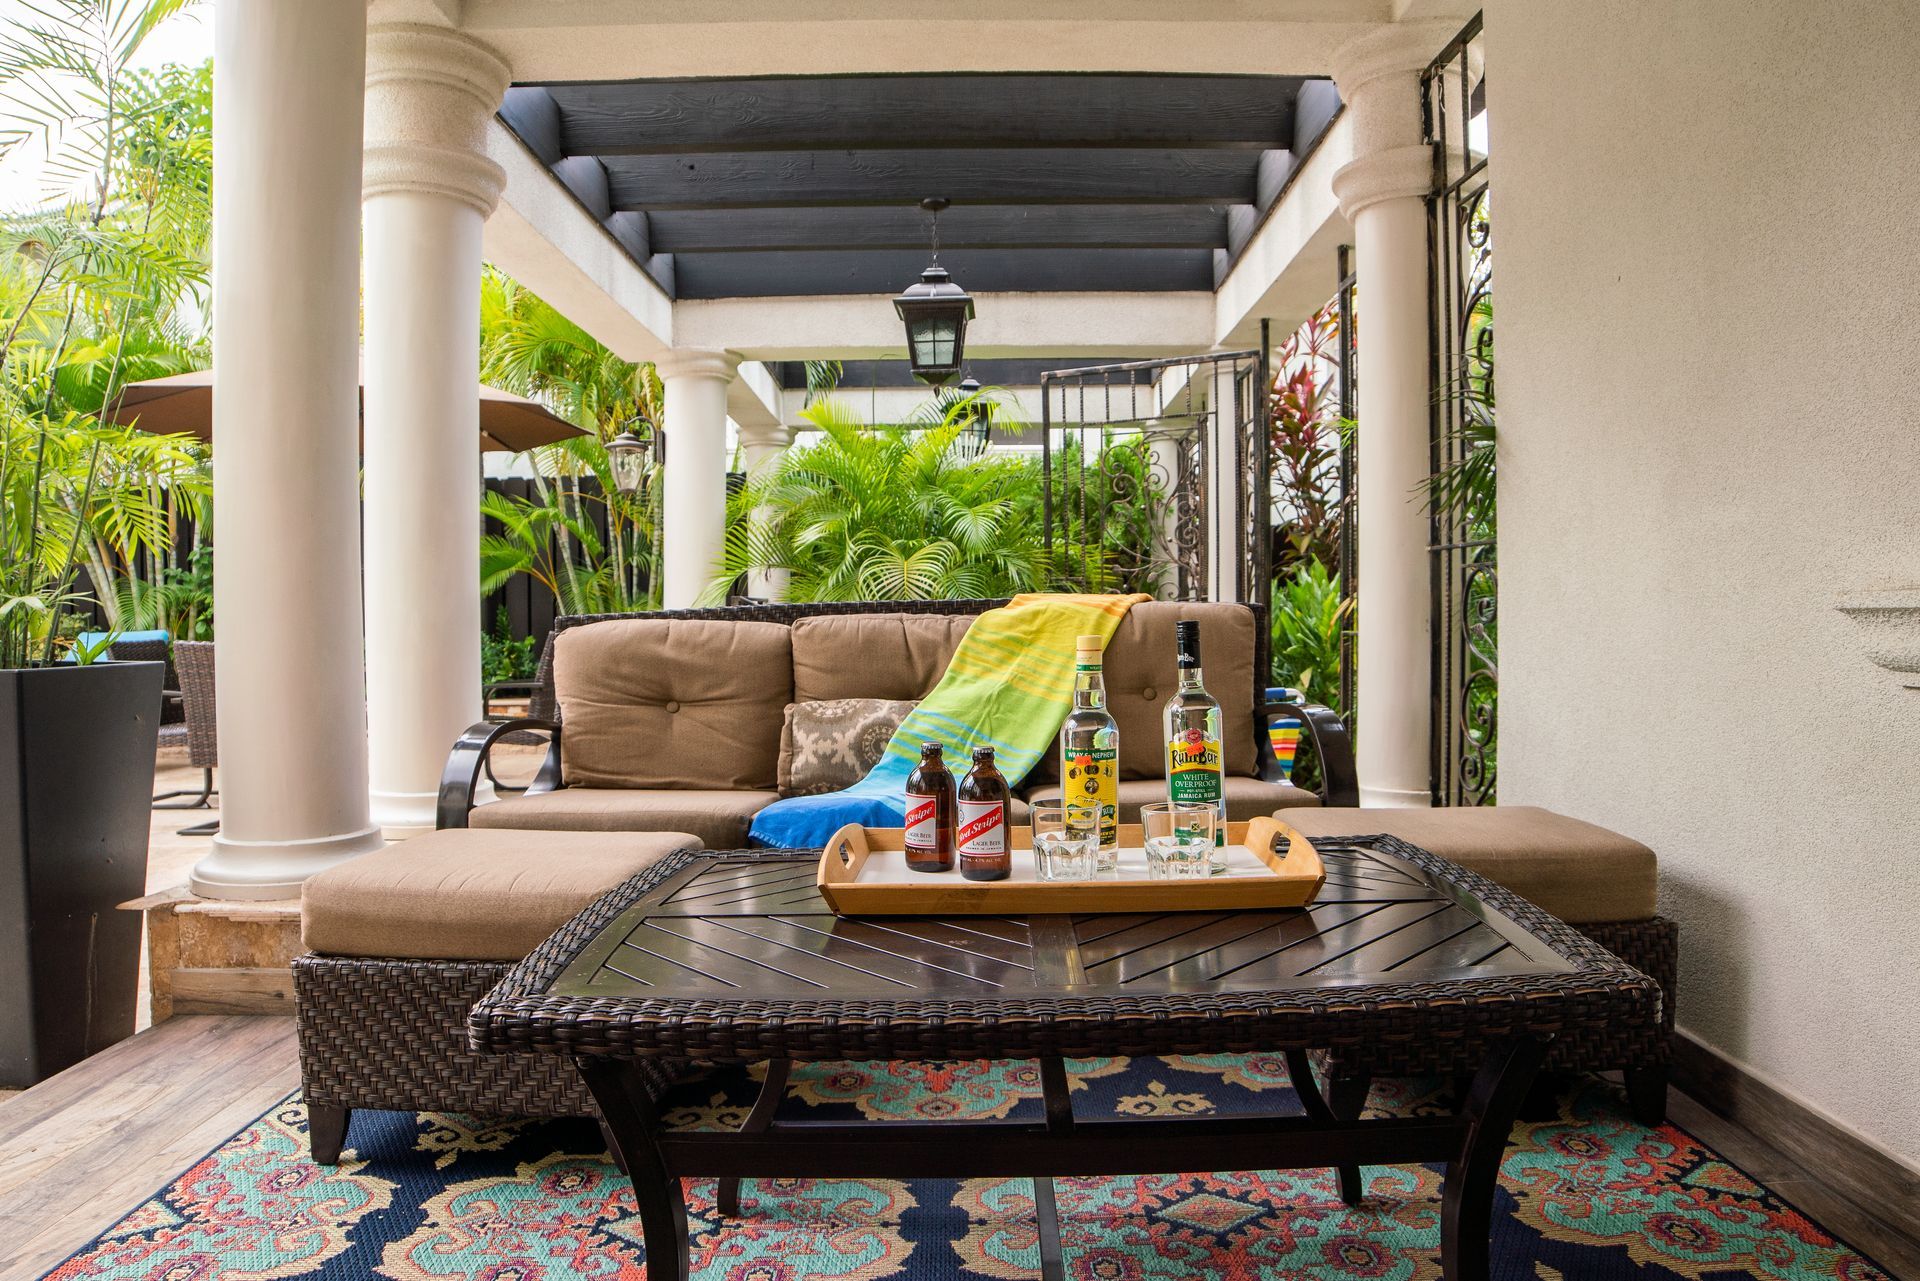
<point>1464,575</point>
<point>1136,458</point>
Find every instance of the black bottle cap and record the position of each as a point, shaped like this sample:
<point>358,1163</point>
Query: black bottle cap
<point>983,755</point>
<point>933,749</point>
<point>1186,640</point>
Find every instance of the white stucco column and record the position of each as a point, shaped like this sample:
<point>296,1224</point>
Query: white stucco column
<point>1382,193</point>
<point>694,509</point>
<point>429,186</point>
<point>760,447</point>
<point>288,80</point>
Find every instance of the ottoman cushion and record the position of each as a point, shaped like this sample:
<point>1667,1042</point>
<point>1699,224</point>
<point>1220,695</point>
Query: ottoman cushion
<point>718,819</point>
<point>1579,872</point>
<point>465,895</point>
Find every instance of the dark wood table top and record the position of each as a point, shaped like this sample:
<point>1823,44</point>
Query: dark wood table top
<point>734,956</point>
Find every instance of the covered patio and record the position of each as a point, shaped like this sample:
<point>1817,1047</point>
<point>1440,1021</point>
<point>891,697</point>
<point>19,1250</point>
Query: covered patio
<point>1142,207</point>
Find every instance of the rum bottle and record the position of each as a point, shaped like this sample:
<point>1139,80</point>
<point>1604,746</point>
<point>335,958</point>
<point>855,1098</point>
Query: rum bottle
<point>930,812</point>
<point>1192,720</point>
<point>1090,748</point>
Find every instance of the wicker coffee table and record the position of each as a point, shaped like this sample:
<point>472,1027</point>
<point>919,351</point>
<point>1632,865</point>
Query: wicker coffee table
<point>733,958</point>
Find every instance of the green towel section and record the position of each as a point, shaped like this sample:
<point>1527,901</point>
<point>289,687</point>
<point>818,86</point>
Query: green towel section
<point>1008,686</point>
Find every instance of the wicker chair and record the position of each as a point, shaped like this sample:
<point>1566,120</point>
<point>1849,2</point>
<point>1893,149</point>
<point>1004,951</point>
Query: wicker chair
<point>195,660</point>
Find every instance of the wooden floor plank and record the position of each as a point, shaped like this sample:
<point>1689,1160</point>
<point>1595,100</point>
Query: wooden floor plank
<point>125,1122</point>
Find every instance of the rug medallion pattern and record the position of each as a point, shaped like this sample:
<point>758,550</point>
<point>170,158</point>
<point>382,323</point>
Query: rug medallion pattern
<point>1587,1196</point>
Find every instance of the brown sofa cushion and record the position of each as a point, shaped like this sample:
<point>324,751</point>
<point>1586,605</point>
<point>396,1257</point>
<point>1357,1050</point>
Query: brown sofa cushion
<point>1141,677</point>
<point>1246,797</point>
<point>832,744</point>
<point>719,819</point>
<point>1577,871</point>
<point>469,895</point>
<point>873,655</point>
<point>651,703</point>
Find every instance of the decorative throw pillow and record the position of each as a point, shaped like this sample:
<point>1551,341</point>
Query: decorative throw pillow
<point>828,745</point>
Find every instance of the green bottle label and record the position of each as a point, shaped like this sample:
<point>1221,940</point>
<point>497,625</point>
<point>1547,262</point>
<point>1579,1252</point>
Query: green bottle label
<point>1194,775</point>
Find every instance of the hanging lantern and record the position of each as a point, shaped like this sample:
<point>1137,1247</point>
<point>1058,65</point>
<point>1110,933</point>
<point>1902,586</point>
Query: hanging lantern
<point>936,312</point>
<point>633,453</point>
<point>977,434</point>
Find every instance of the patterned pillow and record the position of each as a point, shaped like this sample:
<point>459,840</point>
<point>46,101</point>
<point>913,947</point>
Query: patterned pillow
<point>829,745</point>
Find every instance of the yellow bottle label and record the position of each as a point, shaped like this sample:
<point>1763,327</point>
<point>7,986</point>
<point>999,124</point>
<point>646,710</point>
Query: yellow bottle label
<point>1092,777</point>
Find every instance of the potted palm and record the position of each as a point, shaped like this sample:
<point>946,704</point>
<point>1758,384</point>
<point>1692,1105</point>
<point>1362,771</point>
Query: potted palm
<point>77,745</point>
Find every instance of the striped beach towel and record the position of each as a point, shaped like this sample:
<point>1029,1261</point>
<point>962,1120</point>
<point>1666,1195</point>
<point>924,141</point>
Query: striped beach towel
<point>1008,686</point>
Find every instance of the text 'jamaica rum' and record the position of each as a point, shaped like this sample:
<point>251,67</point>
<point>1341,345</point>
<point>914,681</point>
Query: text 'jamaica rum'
<point>1090,748</point>
<point>1192,718</point>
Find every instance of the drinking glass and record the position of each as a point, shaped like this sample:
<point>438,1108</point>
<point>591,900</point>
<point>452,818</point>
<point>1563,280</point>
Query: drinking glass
<point>1179,839</point>
<point>1066,839</point>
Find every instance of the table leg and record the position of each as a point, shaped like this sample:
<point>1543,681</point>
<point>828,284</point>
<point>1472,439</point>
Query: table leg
<point>633,1122</point>
<point>1345,1100</point>
<point>1057,1094</point>
<point>772,1090</point>
<point>1466,1211</point>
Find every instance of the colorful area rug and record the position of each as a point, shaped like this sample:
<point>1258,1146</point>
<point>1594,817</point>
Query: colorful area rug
<point>1589,1196</point>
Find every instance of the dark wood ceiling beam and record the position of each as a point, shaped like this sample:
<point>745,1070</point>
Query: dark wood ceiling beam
<point>962,227</point>
<point>662,117</point>
<point>902,178</point>
<point>860,375</point>
<point>790,274</point>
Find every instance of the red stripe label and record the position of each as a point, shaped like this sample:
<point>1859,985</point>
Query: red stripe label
<point>922,821</point>
<point>983,827</point>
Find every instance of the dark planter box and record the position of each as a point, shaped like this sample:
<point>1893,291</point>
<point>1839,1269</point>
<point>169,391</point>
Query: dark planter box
<point>76,783</point>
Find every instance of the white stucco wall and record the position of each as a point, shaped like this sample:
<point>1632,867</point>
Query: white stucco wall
<point>1708,297</point>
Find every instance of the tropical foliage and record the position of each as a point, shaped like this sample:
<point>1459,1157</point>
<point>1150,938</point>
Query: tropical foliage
<point>103,284</point>
<point>888,513</point>
<point>593,547</point>
<point>1309,614</point>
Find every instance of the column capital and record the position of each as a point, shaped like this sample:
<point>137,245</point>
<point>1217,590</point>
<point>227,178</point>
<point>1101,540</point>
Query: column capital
<point>1402,50</point>
<point>430,92</point>
<point>763,435</point>
<point>1394,174</point>
<point>690,362</point>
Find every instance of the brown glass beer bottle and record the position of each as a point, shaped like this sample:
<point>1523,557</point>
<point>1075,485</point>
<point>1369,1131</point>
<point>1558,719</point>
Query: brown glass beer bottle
<point>930,813</point>
<point>982,837</point>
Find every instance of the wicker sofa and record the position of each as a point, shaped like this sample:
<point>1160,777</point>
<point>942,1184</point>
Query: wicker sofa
<point>671,721</point>
<point>401,943</point>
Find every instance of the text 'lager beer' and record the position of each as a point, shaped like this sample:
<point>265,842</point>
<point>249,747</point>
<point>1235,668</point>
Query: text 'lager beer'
<point>1090,748</point>
<point>983,829</point>
<point>930,813</point>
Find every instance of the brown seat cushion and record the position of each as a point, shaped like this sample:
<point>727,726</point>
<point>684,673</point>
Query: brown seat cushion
<point>718,818</point>
<point>1246,797</point>
<point>469,895</point>
<point>1141,677</point>
<point>1577,871</point>
<point>873,655</point>
<point>652,703</point>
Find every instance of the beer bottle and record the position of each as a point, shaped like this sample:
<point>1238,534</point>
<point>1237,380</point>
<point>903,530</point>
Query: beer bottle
<point>1090,748</point>
<point>1194,772</point>
<point>982,839</point>
<point>930,812</point>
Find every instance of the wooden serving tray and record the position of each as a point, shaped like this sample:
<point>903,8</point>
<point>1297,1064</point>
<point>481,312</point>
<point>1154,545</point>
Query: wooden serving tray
<point>863,872</point>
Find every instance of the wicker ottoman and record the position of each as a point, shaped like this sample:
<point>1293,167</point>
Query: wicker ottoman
<point>401,943</point>
<point>1598,881</point>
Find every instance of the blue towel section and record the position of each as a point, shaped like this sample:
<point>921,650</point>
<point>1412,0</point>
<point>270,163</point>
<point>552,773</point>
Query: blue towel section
<point>809,822</point>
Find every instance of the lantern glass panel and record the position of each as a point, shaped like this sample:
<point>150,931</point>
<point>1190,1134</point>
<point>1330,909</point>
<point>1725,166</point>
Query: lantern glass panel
<point>629,469</point>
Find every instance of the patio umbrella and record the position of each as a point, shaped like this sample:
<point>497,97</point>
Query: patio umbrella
<point>182,405</point>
